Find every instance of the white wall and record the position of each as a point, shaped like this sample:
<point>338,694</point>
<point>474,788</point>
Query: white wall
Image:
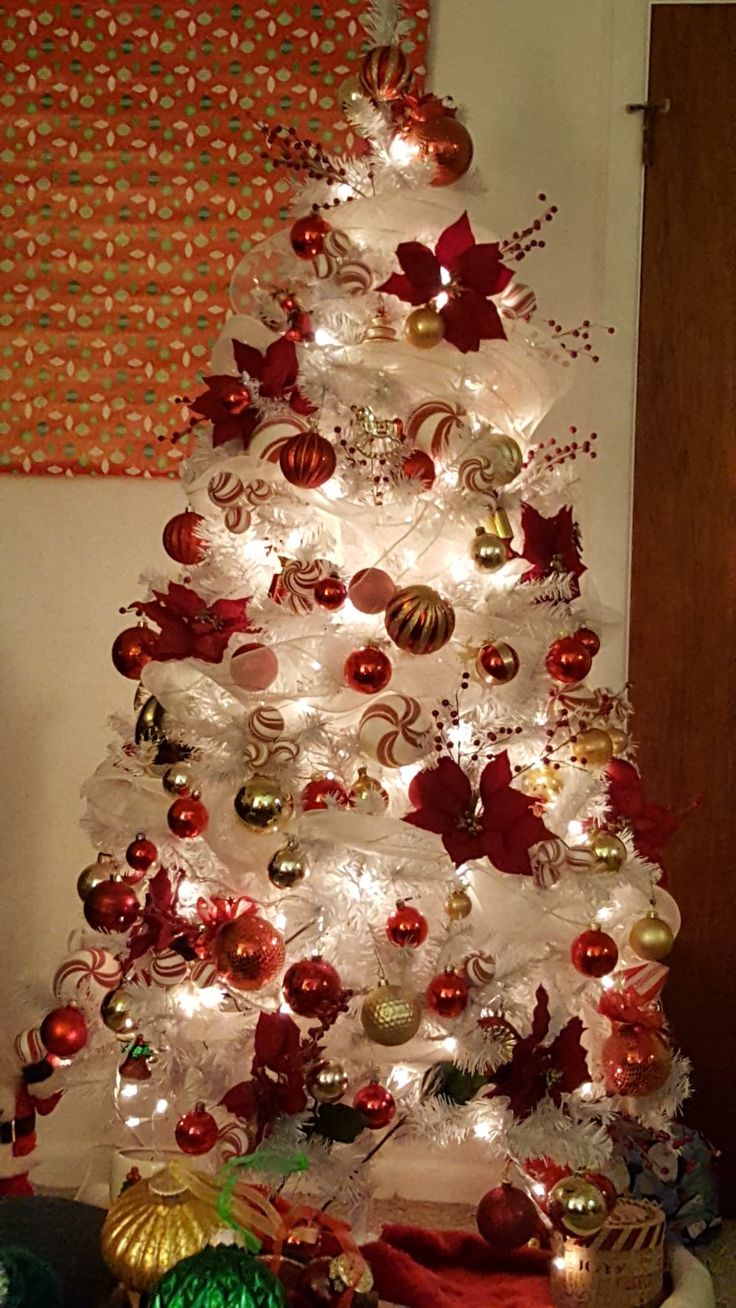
<point>544,83</point>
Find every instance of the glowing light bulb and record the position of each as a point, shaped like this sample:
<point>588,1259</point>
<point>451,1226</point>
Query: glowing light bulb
<point>132,1122</point>
<point>607,982</point>
<point>445,276</point>
<point>316,665</point>
<point>586,1090</point>
<point>441,300</point>
<point>128,1091</point>
<point>344,192</point>
<point>401,1075</point>
<point>559,1264</point>
<point>482,1130</point>
<point>449,1044</point>
<point>403,151</point>
<point>323,337</point>
<point>280,921</point>
<point>604,914</point>
<point>575,828</point>
<point>161,1106</point>
<point>538,1189</point>
<point>332,490</point>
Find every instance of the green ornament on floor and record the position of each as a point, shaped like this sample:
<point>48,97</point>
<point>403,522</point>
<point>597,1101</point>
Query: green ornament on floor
<point>27,1281</point>
<point>221,1276</point>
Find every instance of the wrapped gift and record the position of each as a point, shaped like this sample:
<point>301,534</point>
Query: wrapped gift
<point>620,1267</point>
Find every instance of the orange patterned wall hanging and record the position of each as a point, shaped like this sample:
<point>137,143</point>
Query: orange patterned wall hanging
<point>131,187</point>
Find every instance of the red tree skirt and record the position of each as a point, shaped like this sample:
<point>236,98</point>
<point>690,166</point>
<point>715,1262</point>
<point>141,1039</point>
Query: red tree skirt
<point>451,1269</point>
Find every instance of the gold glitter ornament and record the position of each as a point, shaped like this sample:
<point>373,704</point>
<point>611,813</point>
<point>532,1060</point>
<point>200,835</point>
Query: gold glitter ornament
<point>608,849</point>
<point>287,867</point>
<point>458,904</point>
<point>262,805</point>
<point>390,1015</point>
<point>542,782</point>
<point>366,787</point>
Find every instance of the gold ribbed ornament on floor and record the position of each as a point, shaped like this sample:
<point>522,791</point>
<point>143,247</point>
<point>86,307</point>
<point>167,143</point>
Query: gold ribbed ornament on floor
<point>390,1014</point>
<point>153,1225</point>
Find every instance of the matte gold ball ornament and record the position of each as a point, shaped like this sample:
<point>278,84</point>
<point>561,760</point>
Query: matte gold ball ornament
<point>577,1206</point>
<point>609,849</point>
<point>327,1081</point>
<point>592,748</point>
<point>424,328</point>
<point>651,938</point>
<point>263,806</point>
<point>458,904</point>
<point>488,551</point>
<point>390,1014</point>
<point>619,740</point>
<point>419,620</point>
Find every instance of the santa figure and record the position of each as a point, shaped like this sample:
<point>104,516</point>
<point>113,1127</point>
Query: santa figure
<point>24,1092</point>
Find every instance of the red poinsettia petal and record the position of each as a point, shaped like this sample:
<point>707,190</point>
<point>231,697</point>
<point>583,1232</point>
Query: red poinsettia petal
<point>625,790</point>
<point>454,242</point>
<point>181,600</point>
<point>175,640</point>
<point>461,329</point>
<point>442,795</point>
<point>463,845</point>
<point>487,318</point>
<point>232,612</point>
<point>241,1101</point>
<point>300,404</point>
<point>248,359</point>
<point>230,428</point>
<point>280,367</point>
<point>540,1016</point>
<point>496,775</point>
<point>276,1041</point>
<point>480,269</point>
<point>567,1057</point>
<point>508,847</point>
<point>538,536</point>
<point>210,647</point>
<point>421,268</point>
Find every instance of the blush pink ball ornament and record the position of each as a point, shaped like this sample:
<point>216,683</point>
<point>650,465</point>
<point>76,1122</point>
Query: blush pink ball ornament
<point>254,667</point>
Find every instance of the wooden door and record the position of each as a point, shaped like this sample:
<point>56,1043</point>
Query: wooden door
<point>683,634</point>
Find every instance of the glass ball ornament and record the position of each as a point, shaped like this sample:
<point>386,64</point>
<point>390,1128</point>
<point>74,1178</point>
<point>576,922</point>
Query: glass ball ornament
<point>311,986</point>
<point>351,94</point>
<point>262,805</point>
<point>589,638</point>
<point>248,952</point>
<point>307,235</point>
<point>594,953</point>
<point>330,593</point>
<point>176,779</point>
<point>424,328</point>
<point>141,853</point>
<point>497,663</point>
<point>458,904</point>
<point>26,1280</point>
<point>287,866</point>
<point>196,1131</point>
<point>506,1217</point>
<point>385,73</point>
<point>365,787</point>
<point>307,460</point>
<point>592,748</point>
<point>187,817</point>
<point>576,1206</point>
<point>64,1031</point>
<point>254,666</point>
<point>448,993</point>
<point>651,938</point>
<point>94,874</point>
<point>390,1014</point>
<point>323,792</point>
<point>111,906</point>
<point>636,1060</point>
<point>609,850</point>
<point>370,590</point>
<point>447,143</point>
<point>181,538</point>
<point>488,551</point>
<point>327,1081</point>
<point>132,650</point>
<point>406,927</point>
<point>367,670</point>
<point>376,1104</point>
<point>568,661</point>
<point>119,1013</point>
<point>220,1275</point>
<point>419,620</point>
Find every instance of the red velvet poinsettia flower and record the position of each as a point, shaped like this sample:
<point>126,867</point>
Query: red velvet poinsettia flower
<point>190,628</point>
<point>537,1071</point>
<point>227,405</point>
<point>159,924</point>
<point>652,826</point>
<point>474,272</point>
<point>497,822</point>
<point>228,401</point>
<point>277,1074</point>
<point>551,545</point>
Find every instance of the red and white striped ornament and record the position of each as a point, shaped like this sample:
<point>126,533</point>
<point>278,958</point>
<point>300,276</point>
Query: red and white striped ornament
<point>645,979</point>
<point>395,731</point>
<point>480,969</point>
<point>203,974</point>
<point>432,424</point>
<point>235,1140</point>
<point>293,587</point>
<point>354,277</point>
<point>385,73</point>
<point>168,969</point>
<point>87,973</point>
<point>258,492</point>
<point>224,489</point>
<point>518,301</point>
<point>28,1046</point>
<point>271,434</point>
<point>238,519</point>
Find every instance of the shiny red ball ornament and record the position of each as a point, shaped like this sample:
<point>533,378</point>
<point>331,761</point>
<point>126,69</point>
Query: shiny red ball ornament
<point>323,792</point>
<point>368,670</point>
<point>376,1104</point>
<point>248,952</point>
<point>196,1132</point>
<point>312,986</point>
<point>407,928</point>
<point>448,994</point>
<point>187,817</point>
<point>308,234</point>
<point>111,906</point>
<point>132,650</point>
<point>589,638</point>
<point>64,1031</point>
<point>141,853</point>
<point>370,590</point>
<point>418,466</point>
<point>568,660</point>
<point>497,664</point>
<point>236,399</point>
<point>330,593</point>
<point>594,953</point>
<point>181,540</point>
<point>446,143</point>
<point>636,1060</point>
<point>507,1218</point>
<point>307,460</point>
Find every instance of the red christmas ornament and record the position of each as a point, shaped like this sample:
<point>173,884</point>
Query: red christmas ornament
<point>307,460</point>
<point>636,1060</point>
<point>308,234</point>
<point>187,817</point>
<point>181,540</point>
<point>330,593</point>
<point>448,993</point>
<point>312,986</point>
<point>590,639</point>
<point>367,670</point>
<point>497,664</point>
<point>196,1132</point>
<point>385,73</point>
<point>324,792</point>
<point>507,1218</point>
<point>376,1104</point>
<point>141,854</point>
<point>447,143</point>
<point>418,466</point>
<point>111,906</point>
<point>407,927</point>
<point>594,953</point>
<point>568,660</point>
<point>132,650</point>
<point>248,952</point>
<point>64,1031</point>
<point>370,590</point>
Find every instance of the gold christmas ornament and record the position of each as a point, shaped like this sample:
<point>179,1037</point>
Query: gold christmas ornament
<point>119,1013</point>
<point>379,327</point>
<point>542,782</point>
<point>424,328</point>
<point>390,1014</point>
<point>152,1225</point>
<point>149,726</point>
<point>619,740</point>
<point>577,1206</point>
<point>262,805</point>
<point>593,748</point>
<point>287,867</point>
<point>651,938</point>
<point>419,620</point>
<point>608,849</point>
<point>496,664</point>
<point>94,874</point>
<point>458,904</point>
<point>488,551</point>
<point>327,1081</point>
<point>366,787</point>
<point>176,779</point>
